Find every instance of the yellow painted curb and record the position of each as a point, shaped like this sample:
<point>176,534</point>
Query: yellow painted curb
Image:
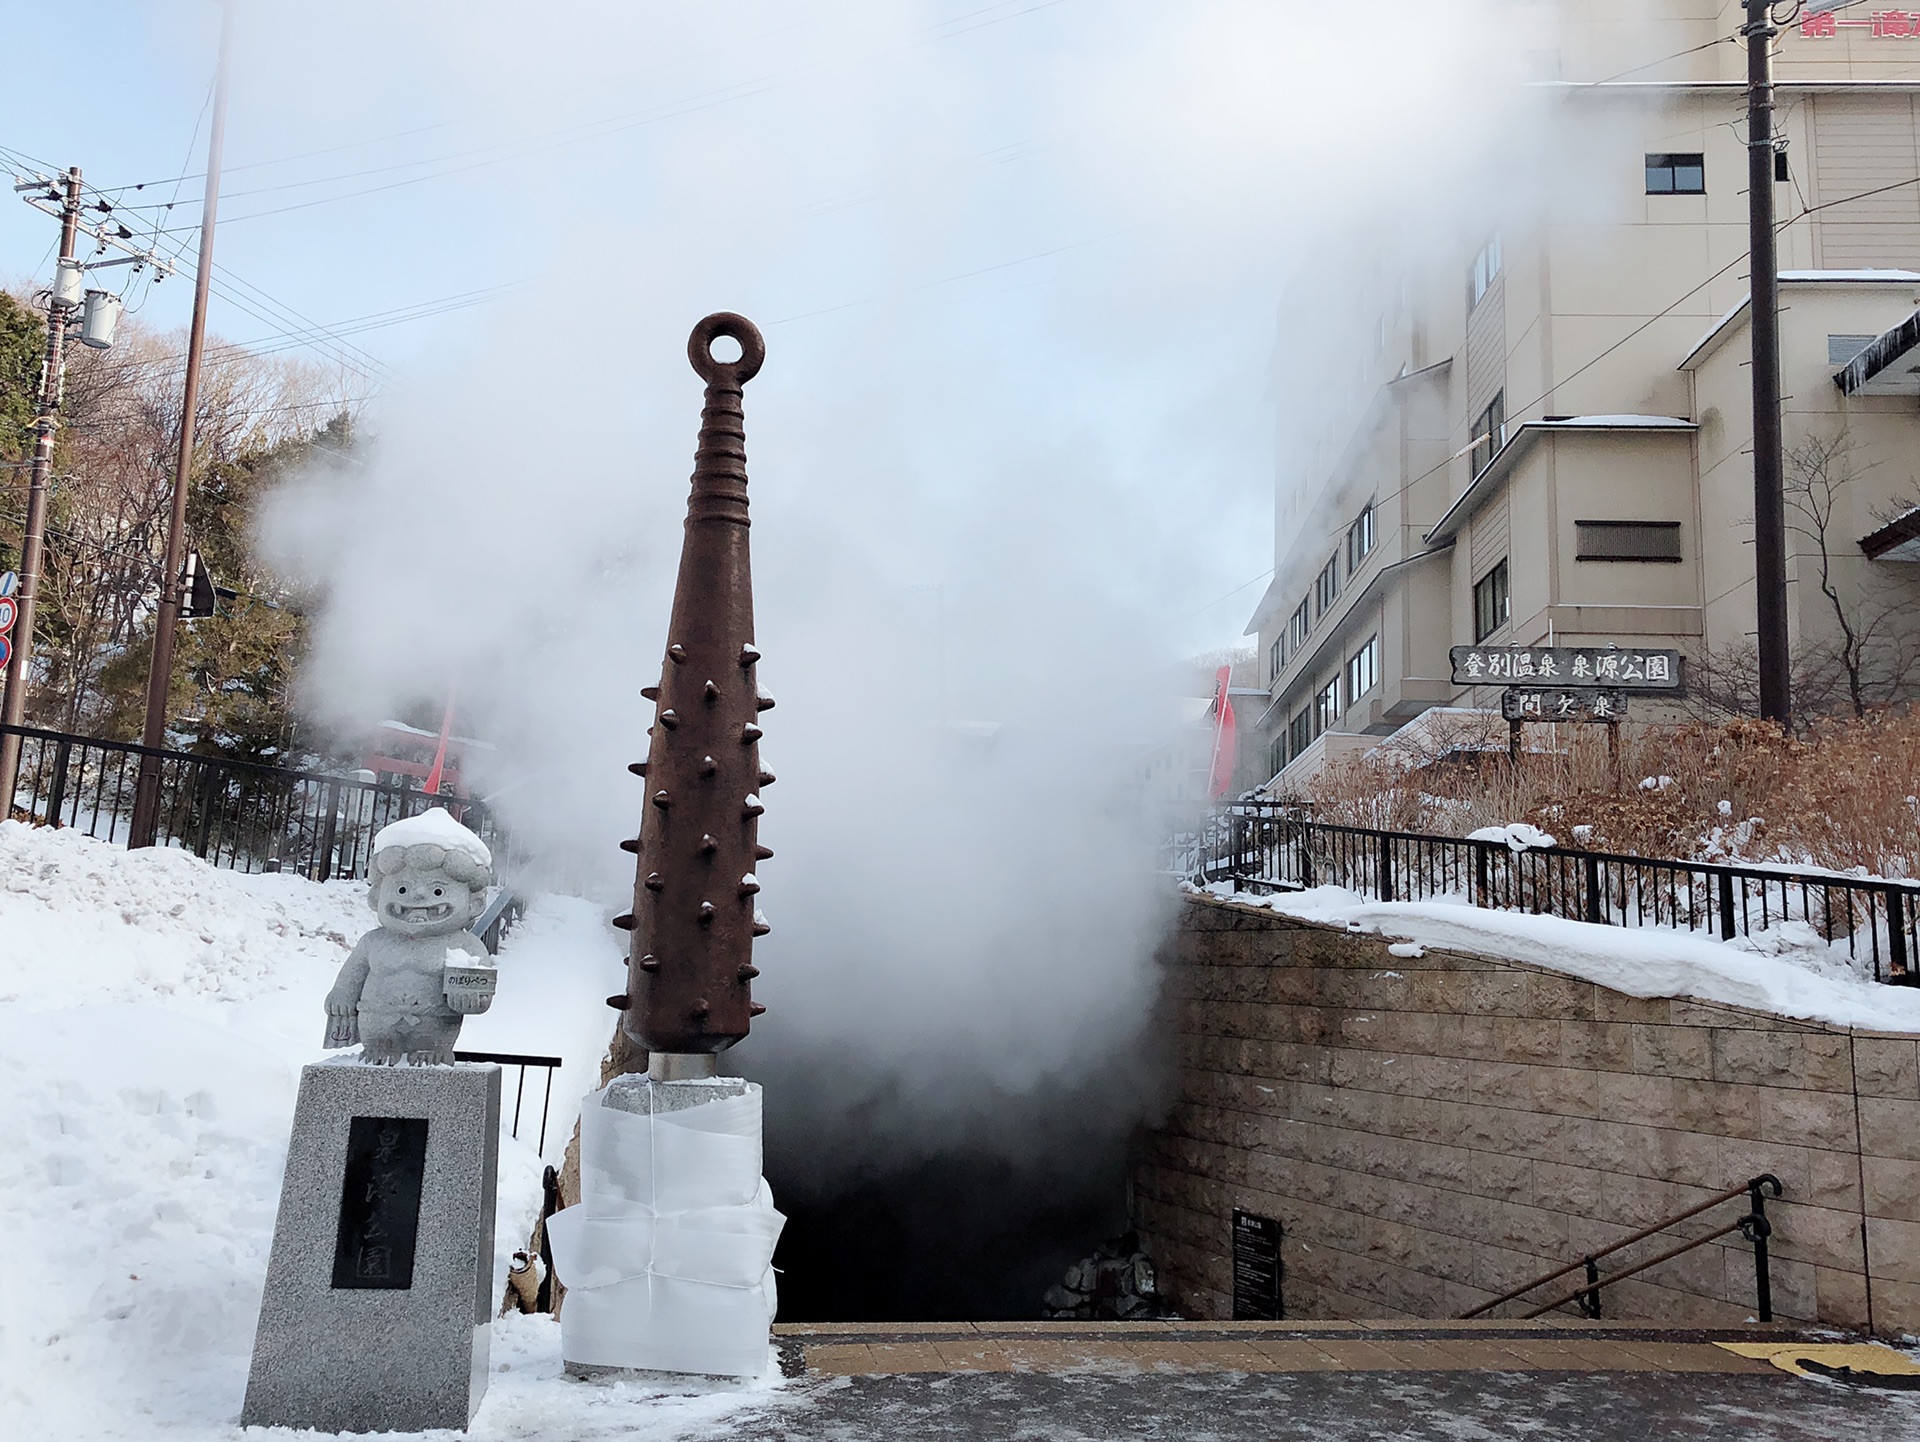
<point>1867,1357</point>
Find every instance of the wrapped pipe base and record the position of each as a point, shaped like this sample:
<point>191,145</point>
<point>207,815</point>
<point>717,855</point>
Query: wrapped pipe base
<point>668,1257</point>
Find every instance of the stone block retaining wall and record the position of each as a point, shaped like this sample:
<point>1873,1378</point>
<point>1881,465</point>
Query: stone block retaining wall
<point>1434,1130</point>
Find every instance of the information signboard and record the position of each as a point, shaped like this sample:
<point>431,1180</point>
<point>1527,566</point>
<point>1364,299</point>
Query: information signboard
<point>1523,704</point>
<point>1256,1268</point>
<point>1605,667</point>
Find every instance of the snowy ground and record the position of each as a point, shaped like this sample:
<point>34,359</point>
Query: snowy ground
<point>1789,971</point>
<point>154,1014</point>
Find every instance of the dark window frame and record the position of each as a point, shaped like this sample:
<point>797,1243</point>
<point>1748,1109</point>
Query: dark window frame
<point>1369,652</point>
<point>1326,707</point>
<point>1492,601</point>
<point>1362,537</point>
<point>1589,534</point>
<point>1326,587</point>
<point>1277,657</point>
<point>1300,733</point>
<point>1484,271</point>
<point>1300,624</point>
<point>1490,434</point>
<point>1666,171</point>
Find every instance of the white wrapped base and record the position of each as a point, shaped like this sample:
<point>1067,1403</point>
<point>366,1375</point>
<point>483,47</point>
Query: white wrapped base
<point>668,1258</point>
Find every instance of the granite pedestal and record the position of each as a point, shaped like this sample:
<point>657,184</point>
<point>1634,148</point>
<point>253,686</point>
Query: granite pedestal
<point>379,1290</point>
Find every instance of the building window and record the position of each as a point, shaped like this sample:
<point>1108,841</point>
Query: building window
<point>1627,540</point>
<point>1300,733</point>
<point>1841,349</point>
<point>1277,755</point>
<point>1326,587</point>
<point>1486,265</point>
<point>1298,627</point>
<point>1677,174</point>
<point>1277,658</point>
<point>1360,540</point>
<point>1363,670</point>
<point>1326,706</point>
<point>1492,606</point>
<point>1489,433</point>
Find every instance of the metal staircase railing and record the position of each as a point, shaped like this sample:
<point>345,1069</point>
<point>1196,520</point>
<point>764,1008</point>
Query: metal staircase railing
<point>1754,1226</point>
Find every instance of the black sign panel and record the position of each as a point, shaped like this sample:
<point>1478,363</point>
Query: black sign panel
<point>380,1202</point>
<point>1585,667</point>
<point>1517,704</point>
<point>1256,1268</point>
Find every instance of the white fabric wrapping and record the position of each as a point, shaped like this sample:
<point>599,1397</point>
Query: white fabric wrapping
<point>668,1258</point>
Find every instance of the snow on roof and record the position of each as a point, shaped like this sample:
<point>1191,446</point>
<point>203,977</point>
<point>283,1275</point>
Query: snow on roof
<point>1798,277</point>
<point>1867,275</point>
<point>1666,423</point>
<point>403,728</point>
<point>433,828</point>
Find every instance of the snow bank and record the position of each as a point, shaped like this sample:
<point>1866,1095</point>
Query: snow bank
<point>434,828</point>
<point>1790,971</point>
<point>154,1014</point>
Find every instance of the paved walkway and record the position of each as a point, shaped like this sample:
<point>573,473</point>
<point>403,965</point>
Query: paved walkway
<point>1259,1382</point>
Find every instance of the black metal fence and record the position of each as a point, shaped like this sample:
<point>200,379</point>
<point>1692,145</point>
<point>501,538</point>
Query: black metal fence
<point>549,1064</point>
<point>235,814</point>
<point>1269,846</point>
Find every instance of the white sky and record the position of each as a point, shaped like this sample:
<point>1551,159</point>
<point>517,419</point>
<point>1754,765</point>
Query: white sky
<point>1093,205</point>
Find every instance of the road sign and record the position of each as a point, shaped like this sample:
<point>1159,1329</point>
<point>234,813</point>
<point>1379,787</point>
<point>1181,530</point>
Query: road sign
<point>6,652</point>
<point>1583,667</point>
<point>9,612</point>
<point>1519,703</point>
<point>9,582</point>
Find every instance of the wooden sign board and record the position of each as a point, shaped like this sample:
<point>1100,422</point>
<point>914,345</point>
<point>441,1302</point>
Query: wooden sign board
<point>1564,667</point>
<point>1523,704</point>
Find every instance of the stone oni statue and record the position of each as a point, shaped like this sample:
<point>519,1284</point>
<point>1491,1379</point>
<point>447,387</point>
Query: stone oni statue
<point>403,991</point>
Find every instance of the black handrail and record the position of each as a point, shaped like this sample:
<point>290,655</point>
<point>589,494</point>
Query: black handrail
<point>1272,846</point>
<point>1754,1226</point>
<point>508,1058</point>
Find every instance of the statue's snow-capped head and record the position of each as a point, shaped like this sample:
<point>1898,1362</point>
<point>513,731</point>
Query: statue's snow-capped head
<point>430,875</point>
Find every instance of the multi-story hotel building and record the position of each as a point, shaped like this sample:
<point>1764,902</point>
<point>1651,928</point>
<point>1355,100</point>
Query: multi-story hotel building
<point>1559,446</point>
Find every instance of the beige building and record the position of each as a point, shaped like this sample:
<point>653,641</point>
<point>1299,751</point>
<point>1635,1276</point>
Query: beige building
<point>1559,445</point>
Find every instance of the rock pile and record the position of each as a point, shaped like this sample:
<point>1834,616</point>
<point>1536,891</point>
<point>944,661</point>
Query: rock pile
<point>1116,1284</point>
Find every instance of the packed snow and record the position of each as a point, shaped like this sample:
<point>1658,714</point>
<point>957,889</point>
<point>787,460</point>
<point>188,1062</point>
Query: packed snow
<point>1789,970</point>
<point>154,1014</point>
<point>432,828</point>
<point>1517,836</point>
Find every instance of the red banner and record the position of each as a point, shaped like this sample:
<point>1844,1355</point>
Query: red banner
<point>1220,777</point>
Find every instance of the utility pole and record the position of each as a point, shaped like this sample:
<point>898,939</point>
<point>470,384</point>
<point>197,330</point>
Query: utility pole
<point>1769,476</point>
<point>146,796</point>
<point>60,309</point>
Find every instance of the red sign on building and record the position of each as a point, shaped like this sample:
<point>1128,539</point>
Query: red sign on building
<point>1881,25</point>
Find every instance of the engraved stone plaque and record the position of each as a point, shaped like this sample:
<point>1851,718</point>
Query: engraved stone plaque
<point>380,1202</point>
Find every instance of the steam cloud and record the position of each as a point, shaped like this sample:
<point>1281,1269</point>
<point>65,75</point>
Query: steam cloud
<point>1018,275</point>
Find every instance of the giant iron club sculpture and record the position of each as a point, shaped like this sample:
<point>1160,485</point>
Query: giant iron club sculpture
<point>690,962</point>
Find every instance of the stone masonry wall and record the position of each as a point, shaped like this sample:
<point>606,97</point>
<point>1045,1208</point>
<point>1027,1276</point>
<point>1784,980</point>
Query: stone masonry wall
<point>1435,1130</point>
